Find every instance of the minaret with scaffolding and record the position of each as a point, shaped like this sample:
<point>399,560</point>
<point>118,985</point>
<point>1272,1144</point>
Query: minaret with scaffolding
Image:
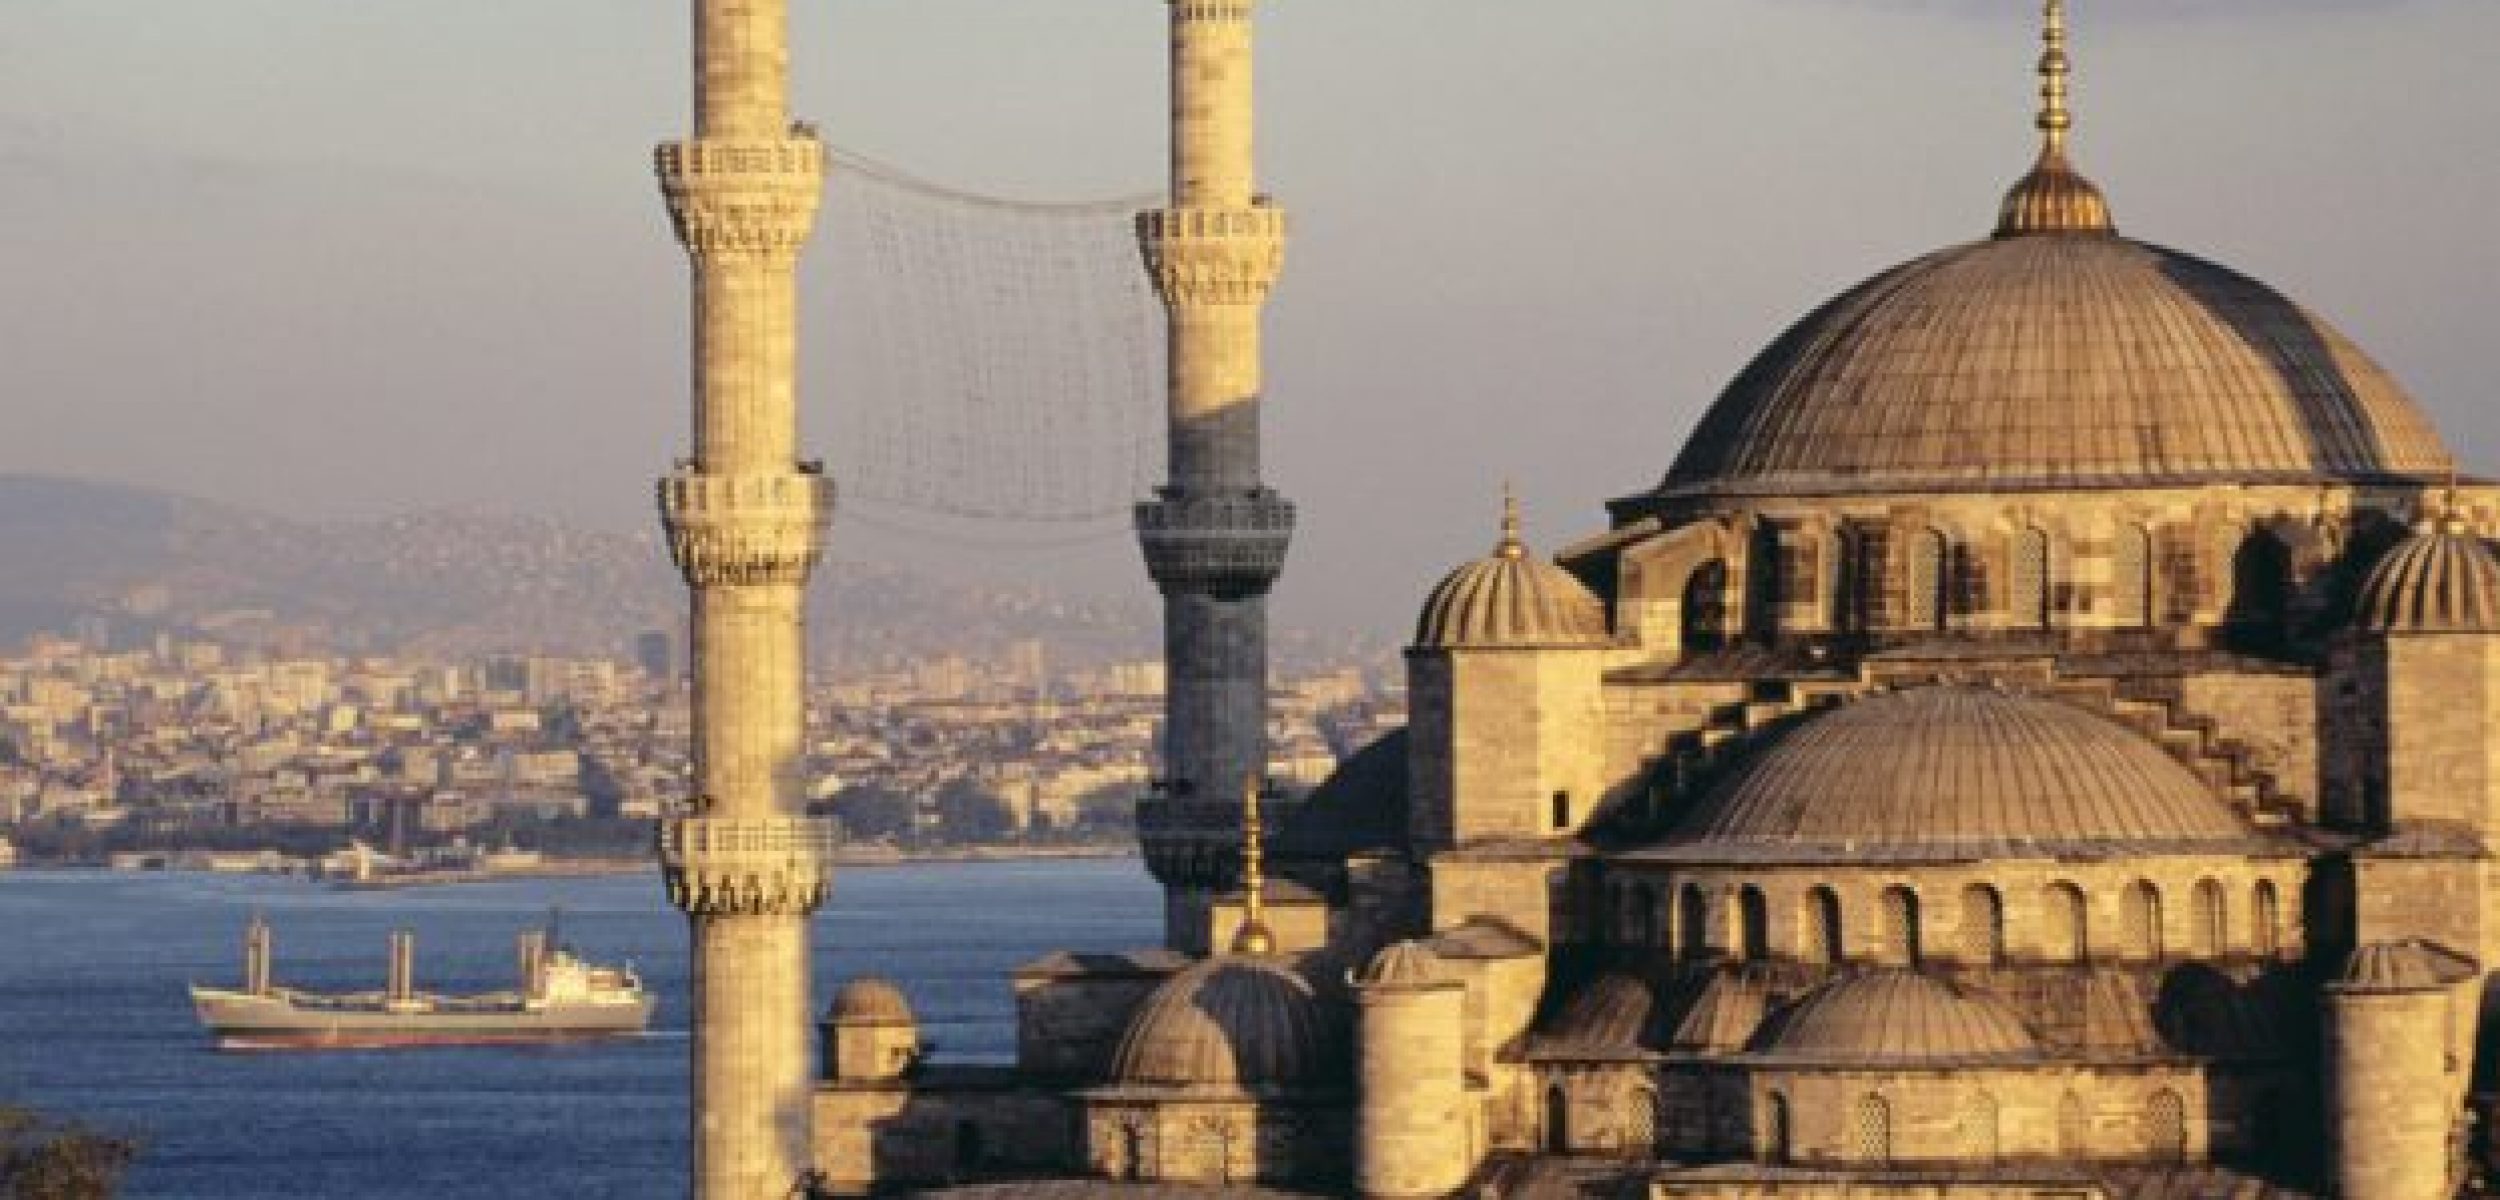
<point>1215,536</point>
<point>746,519</point>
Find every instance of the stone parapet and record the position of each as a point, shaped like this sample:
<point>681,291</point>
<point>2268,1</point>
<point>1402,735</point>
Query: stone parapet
<point>742,197</point>
<point>1228,546</point>
<point>768,866</point>
<point>1197,843</point>
<point>1213,256</point>
<point>746,528</point>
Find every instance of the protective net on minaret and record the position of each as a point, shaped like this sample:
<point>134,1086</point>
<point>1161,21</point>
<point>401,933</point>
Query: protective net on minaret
<point>982,359</point>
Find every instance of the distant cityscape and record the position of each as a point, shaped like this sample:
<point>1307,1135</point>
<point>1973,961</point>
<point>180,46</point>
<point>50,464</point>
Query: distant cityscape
<point>192,751</point>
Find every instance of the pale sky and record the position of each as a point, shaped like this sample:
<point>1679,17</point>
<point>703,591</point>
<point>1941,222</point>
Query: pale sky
<point>363,256</point>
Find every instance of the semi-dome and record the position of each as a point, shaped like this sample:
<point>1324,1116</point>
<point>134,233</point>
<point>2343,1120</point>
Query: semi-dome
<point>1954,772</point>
<point>1510,598</point>
<point>2442,579</point>
<point>869,1000</point>
<point>1895,1017</point>
<point>2405,965</point>
<point>1235,1022</point>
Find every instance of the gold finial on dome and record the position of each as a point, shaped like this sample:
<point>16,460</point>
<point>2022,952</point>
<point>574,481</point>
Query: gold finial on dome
<point>2054,197</point>
<point>1510,546</point>
<point>1254,937</point>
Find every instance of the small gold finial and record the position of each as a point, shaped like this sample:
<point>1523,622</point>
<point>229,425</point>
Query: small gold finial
<point>1254,937</point>
<point>2053,197</point>
<point>1510,546</point>
<point>2055,69</point>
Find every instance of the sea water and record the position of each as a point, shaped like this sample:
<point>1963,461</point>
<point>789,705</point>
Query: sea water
<point>95,1023</point>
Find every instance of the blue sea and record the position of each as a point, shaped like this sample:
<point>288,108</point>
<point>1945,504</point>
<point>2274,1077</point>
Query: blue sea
<point>95,1025</point>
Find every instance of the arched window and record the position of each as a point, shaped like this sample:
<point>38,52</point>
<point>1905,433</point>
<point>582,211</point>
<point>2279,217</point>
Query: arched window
<point>2261,586</point>
<point>1983,925</point>
<point>1770,582</point>
<point>1822,933</point>
<point>2165,1126</point>
<point>1871,1130</point>
<point>2209,930</point>
<point>1640,1124</point>
<point>2131,577</point>
<point>1923,591</point>
<point>1978,1132</point>
<point>1900,916</point>
<point>1640,915</point>
<point>1753,924</point>
<point>1557,1121</point>
<point>2266,919</point>
<point>1692,921</point>
<point>2027,589</point>
<point>2074,1128</point>
<point>2068,934</point>
<point>1775,1137</point>
<point>2139,921</point>
<point>1705,607</point>
<point>1562,810</point>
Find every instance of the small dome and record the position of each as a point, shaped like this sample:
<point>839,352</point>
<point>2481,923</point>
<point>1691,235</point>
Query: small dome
<point>2443,579</point>
<point>869,1000</point>
<point>1233,1022</point>
<point>1955,772</point>
<point>1405,965</point>
<point>2409,965</point>
<point>1510,598</point>
<point>1896,1018</point>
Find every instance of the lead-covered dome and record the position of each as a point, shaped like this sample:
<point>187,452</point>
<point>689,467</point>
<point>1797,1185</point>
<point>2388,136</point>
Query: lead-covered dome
<point>870,1000</point>
<point>2056,359</point>
<point>1234,1023</point>
<point>1895,1017</point>
<point>1510,599</point>
<point>1952,772</point>
<point>2443,579</point>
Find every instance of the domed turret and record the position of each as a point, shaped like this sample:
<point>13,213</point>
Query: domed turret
<point>1233,1023</point>
<point>1510,599</point>
<point>2392,1079</point>
<point>1409,1135</point>
<point>1405,964</point>
<point>2443,579</point>
<point>869,1032</point>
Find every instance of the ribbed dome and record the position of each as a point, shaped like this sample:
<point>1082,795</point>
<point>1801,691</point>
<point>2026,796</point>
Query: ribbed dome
<point>1954,772</point>
<point>2442,579</point>
<point>1511,599</point>
<point>1896,1018</point>
<point>2410,965</point>
<point>1406,965</point>
<point>1234,1023</point>
<point>2074,359</point>
<point>869,1000</point>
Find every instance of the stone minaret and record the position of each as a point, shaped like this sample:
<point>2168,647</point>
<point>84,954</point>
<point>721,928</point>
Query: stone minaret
<point>1215,536</point>
<point>745,520</point>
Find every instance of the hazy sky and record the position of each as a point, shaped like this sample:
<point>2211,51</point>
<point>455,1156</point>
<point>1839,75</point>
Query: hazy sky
<point>358,257</point>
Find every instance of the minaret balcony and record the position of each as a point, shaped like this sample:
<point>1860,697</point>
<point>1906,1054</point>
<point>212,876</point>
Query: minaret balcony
<point>742,196</point>
<point>746,528</point>
<point>1226,546</point>
<point>746,866</point>
<point>1213,255</point>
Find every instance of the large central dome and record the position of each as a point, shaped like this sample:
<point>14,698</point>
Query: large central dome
<point>2056,359</point>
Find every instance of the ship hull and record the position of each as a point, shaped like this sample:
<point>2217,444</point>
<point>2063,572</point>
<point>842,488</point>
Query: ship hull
<point>242,1021</point>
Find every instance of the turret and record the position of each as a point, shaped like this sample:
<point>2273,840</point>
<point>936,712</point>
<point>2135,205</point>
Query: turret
<point>2394,1085</point>
<point>869,1033</point>
<point>1412,1135</point>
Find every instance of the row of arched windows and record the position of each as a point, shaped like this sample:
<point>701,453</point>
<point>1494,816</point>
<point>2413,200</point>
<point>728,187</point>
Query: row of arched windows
<point>2159,1123</point>
<point>1899,935</point>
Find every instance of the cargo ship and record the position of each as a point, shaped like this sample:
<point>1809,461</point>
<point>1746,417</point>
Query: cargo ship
<point>560,998</point>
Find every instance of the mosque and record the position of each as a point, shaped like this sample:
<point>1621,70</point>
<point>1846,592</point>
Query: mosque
<point>2033,742</point>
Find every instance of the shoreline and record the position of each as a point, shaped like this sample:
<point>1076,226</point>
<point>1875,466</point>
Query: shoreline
<point>591,868</point>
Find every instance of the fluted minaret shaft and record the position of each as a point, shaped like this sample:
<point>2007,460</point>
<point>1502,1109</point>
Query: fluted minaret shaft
<point>1216,537</point>
<point>745,519</point>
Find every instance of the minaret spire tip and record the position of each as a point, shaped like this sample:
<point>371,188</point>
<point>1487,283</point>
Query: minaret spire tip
<point>2053,197</point>
<point>2056,69</point>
